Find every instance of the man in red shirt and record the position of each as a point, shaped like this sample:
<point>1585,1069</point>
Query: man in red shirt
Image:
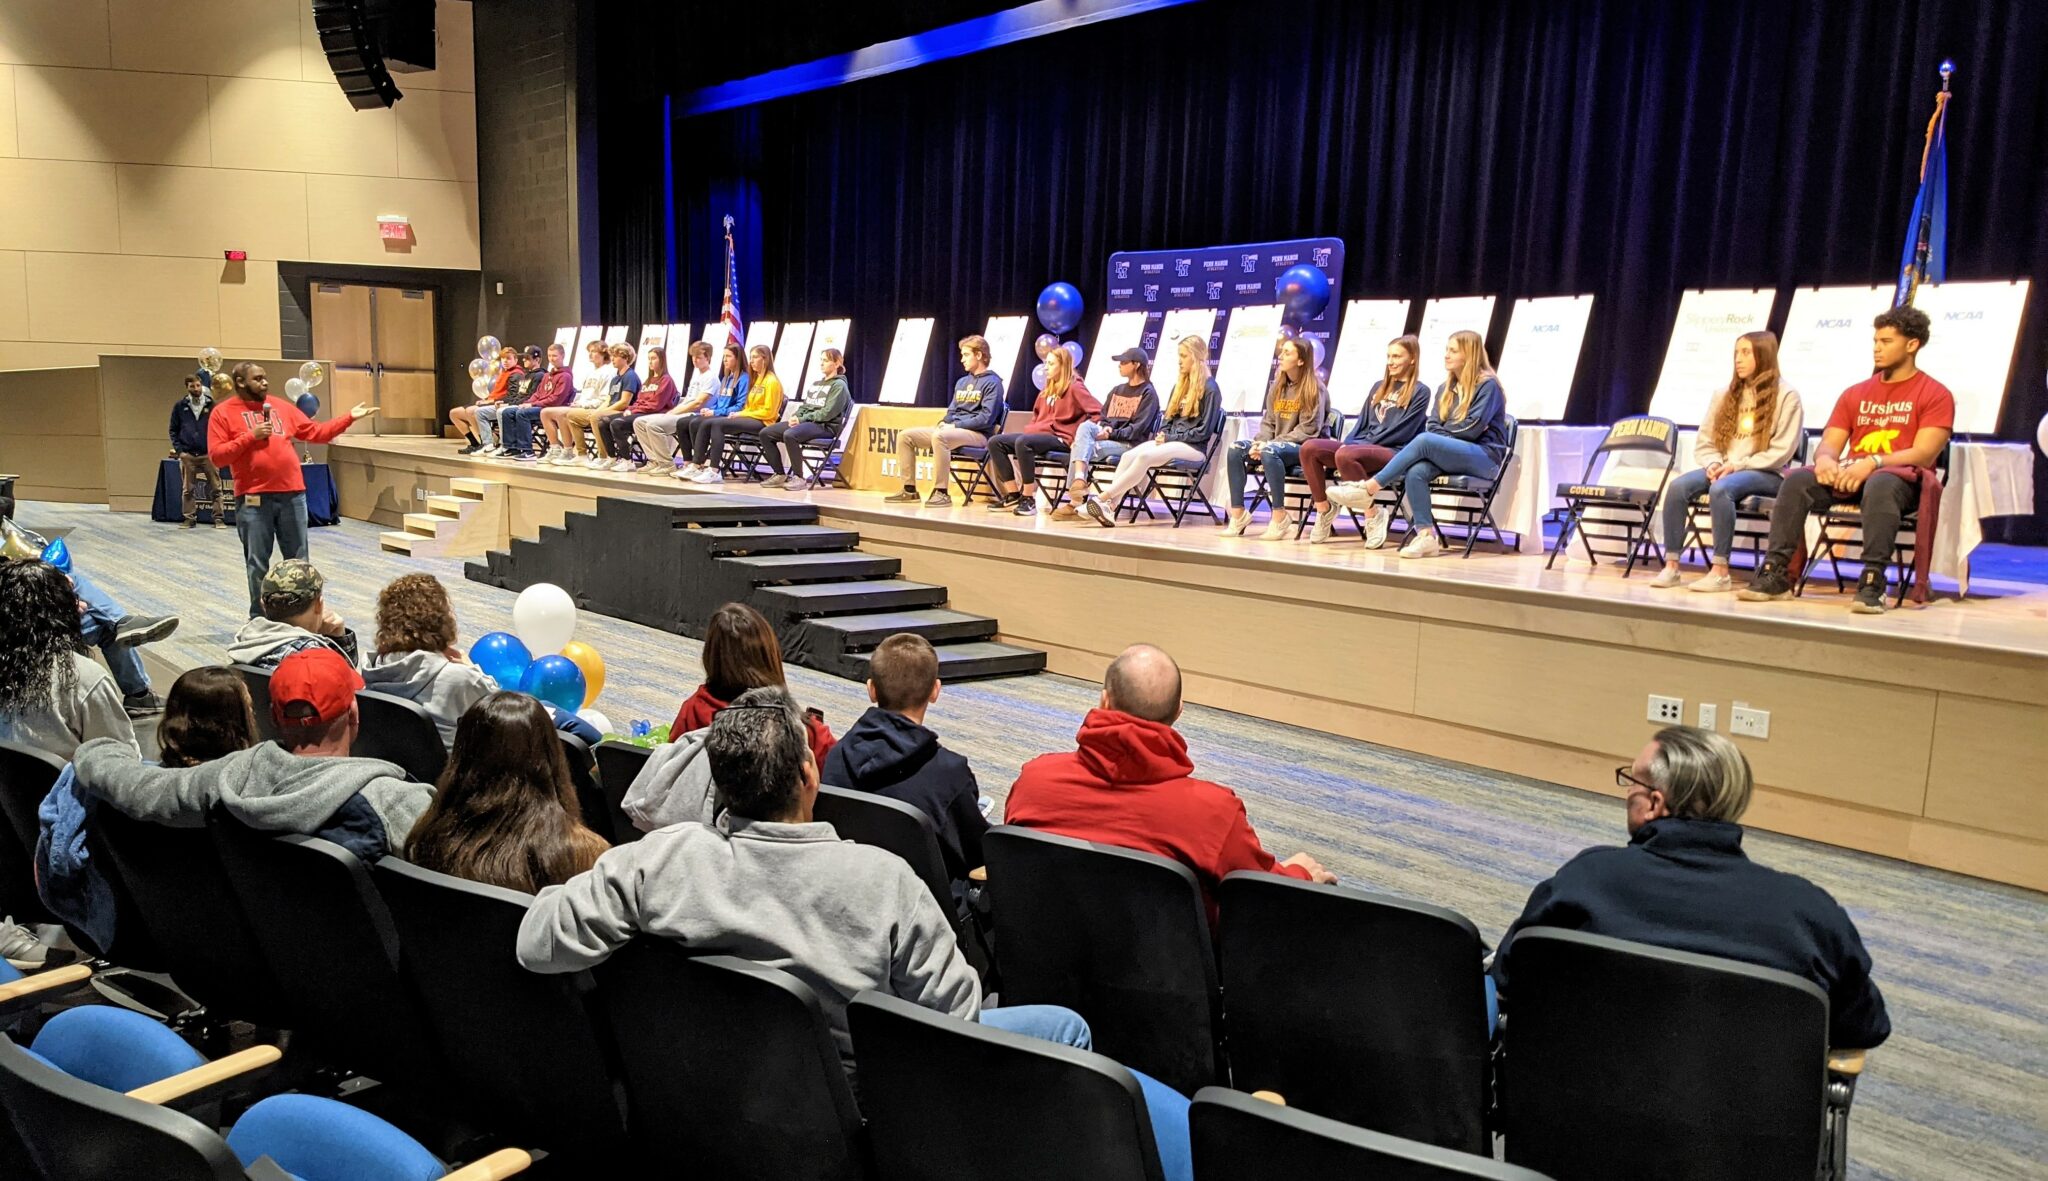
<point>1130,784</point>
<point>1896,421</point>
<point>251,435</point>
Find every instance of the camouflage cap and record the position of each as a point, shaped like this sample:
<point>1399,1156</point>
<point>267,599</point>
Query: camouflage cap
<point>290,588</point>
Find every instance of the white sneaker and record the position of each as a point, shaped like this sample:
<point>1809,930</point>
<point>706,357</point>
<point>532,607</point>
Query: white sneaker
<point>625,465</point>
<point>1712,582</point>
<point>1319,532</point>
<point>709,475</point>
<point>1350,494</point>
<point>565,459</point>
<point>1666,578</point>
<point>1277,527</point>
<point>1235,526</point>
<point>1376,521</point>
<point>597,463</point>
<point>1423,545</point>
<point>686,472</point>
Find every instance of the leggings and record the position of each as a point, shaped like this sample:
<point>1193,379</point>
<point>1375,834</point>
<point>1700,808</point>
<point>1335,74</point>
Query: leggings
<point>708,441</point>
<point>1353,462</point>
<point>1274,458</point>
<point>1028,448</point>
<point>1134,465</point>
<point>788,437</point>
<point>1723,497</point>
<point>618,433</point>
<point>1429,456</point>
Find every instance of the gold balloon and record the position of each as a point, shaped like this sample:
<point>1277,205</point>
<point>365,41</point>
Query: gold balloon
<point>585,657</point>
<point>17,542</point>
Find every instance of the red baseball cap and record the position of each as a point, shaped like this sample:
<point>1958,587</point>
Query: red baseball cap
<point>317,678</point>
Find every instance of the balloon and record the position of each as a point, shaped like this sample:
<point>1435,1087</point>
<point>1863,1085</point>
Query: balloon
<point>501,657</point>
<point>1316,343</point>
<point>555,680</point>
<point>586,659</point>
<point>1038,376</point>
<point>17,542</point>
<point>1073,348</point>
<point>2041,435</point>
<point>544,617</point>
<point>209,359</point>
<point>1059,307</point>
<point>481,387</point>
<point>487,347</point>
<point>1045,343</point>
<point>312,373</point>
<point>1288,332</point>
<point>478,368</point>
<point>602,724</point>
<point>293,387</point>
<point>1305,290</point>
<point>57,554</point>
<point>309,404</point>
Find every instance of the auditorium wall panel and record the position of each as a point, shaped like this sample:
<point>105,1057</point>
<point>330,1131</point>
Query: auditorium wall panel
<point>250,38</point>
<point>298,127</point>
<point>13,294</point>
<point>58,205</point>
<point>55,33</point>
<point>121,115</point>
<point>9,139</point>
<point>248,308</point>
<point>437,135</point>
<point>1986,753</point>
<point>53,436</point>
<point>443,215</point>
<point>137,299</point>
<point>195,211</point>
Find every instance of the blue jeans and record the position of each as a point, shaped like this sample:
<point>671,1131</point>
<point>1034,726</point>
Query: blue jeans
<point>487,423</point>
<point>269,520</point>
<point>1277,459</point>
<point>98,623</point>
<point>1722,497</point>
<point>1167,1107</point>
<point>1428,456</point>
<point>515,425</point>
<point>1090,445</point>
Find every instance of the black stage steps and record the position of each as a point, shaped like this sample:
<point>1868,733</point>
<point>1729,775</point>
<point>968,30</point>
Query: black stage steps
<point>670,561</point>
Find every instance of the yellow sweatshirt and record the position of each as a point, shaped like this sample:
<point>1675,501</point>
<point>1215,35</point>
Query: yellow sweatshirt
<point>764,400</point>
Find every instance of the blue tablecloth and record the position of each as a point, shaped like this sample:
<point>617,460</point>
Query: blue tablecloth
<point>168,504</point>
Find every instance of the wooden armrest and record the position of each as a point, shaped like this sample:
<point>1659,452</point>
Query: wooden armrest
<point>41,982</point>
<point>211,1074</point>
<point>978,874</point>
<point>500,1164</point>
<point>1846,1061</point>
<point>1273,1097</point>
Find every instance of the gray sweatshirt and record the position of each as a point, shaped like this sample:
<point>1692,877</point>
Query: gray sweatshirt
<point>91,710</point>
<point>838,916</point>
<point>266,642</point>
<point>444,688</point>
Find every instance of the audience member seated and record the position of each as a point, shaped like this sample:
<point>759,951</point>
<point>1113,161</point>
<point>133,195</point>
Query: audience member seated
<point>727,398</point>
<point>519,390</point>
<point>207,714</point>
<point>1466,435</point>
<point>818,417</point>
<point>1894,425</point>
<point>1683,882</point>
<point>762,407</point>
<point>108,626</point>
<point>1191,415</point>
<point>1393,415</point>
<point>741,653</point>
<point>505,812</point>
<point>1057,414</point>
<point>53,697</point>
<point>660,434</point>
<point>468,418</point>
<point>1130,784</point>
<point>975,413</point>
<point>1296,410</point>
<point>555,391</point>
<point>889,752</point>
<point>657,395</point>
<point>1130,415</point>
<point>295,617</point>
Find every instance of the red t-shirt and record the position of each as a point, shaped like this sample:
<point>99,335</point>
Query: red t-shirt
<point>272,465</point>
<point>1885,417</point>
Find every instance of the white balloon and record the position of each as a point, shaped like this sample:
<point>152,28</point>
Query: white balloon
<point>596,719</point>
<point>293,388</point>
<point>2041,435</point>
<point>544,617</point>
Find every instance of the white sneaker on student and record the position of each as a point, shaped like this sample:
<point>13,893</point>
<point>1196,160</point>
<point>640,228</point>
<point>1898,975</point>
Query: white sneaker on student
<point>1350,494</point>
<point>1666,578</point>
<point>1423,545</point>
<point>1319,533</point>
<point>686,472</point>
<point>709,475</point>
<point>1376,521</point>
<point>1277,527</point>
<point>1712,582</point>
<point>624,465</point>
<point>597,463</point>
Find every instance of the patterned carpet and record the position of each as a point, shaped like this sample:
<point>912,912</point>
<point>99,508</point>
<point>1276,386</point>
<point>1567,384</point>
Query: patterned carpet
<point>1960,1090</point>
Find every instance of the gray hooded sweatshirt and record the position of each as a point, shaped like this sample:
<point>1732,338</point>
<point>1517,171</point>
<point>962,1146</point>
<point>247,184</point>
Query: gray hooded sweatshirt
<point>838,916</point>
<point>444,688</point>
<point>367,806</point>
<point>266,642</point>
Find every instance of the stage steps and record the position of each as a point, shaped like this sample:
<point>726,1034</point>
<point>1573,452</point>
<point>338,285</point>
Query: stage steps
<point>669,561</point>
<point>471,520</point>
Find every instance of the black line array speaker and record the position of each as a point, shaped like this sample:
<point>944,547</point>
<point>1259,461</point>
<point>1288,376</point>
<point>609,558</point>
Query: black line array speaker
<point>366,41</point>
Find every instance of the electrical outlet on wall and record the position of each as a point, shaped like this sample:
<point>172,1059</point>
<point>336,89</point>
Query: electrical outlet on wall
<point>1666,711</point>
<point>1709,714</point>
<point>1749,723</point>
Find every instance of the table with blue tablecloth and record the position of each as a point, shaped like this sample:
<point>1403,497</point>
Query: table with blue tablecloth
<point>168,504</point>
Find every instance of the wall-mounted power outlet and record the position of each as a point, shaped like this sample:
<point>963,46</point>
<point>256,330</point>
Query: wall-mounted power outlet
<point>1709,714</point>
<point>1667,711</point>
<point>1749,723</point>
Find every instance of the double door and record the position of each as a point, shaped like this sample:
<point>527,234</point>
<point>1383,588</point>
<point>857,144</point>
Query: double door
<point>381,341</point>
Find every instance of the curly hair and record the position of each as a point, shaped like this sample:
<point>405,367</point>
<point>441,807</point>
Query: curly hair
<point>414,615</point>
<point>1763,384</point>
<point>39,634</point>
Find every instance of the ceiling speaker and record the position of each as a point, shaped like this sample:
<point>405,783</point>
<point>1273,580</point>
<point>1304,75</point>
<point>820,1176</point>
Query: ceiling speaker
<point>366,41</point>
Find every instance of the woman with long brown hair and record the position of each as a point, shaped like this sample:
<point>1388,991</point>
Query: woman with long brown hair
<point>1752,429</point>
<point>504,811</point>
<point>207,714</point>
<point>1060,409</point>
<point>1297,409</point>
<point>740,653</point>
<point>1393,415</point>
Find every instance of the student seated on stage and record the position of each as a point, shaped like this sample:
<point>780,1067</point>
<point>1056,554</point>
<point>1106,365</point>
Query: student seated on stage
<point>1130,415</point>
<point>1192,413</point>
<point>1130,784</point>
<point>890,752</point>
<point>53,696</point>
<point>1466,435</point>
<point>820,415</point>
<point>727,398</point>
<point>622,386</point>
<point>741,653</point>
<point>659,434</point>
<point>1393,415</point>
<point>469,417</point>
<point>1057,414</point>
<point>295,617</point>
<point>1683,882</point>
<point>1894,425</point>
<point>656,395</point>
<point>1296,407</point>
<point>975,413</point>
<point>763,407</point>
<point>565,441</point>
<point>553,389</point>
<point>490,419</point>
<point>504,810</point>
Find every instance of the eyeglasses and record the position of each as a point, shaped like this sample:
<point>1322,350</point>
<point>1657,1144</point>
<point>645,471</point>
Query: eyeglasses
<point>1629,783</point>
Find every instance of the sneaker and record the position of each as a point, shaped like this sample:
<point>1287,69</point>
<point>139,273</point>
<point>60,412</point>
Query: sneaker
<point>524,457</point>
<point>220,520</point>
<point>191,522</point>
<point>472,449</point>
<point>1319,533</point>
<point>1277,527</point>
<point>144,629</point>
<point>686,472</point>
<point>1666,578</point>
<point>20,947</point>
<point>1870,592</point>
<point>1235,526</point>
<point>1712,582</point>
<point>907,496</point>
<point>709,475</point>
<point>1026,506</point>
<point>142,705</point>
<point>597,463</point>
<point>1003,502</point>
<point>1769,585</point>
<point>491,452</point>
<point>1423,545</point>
<point>623,465</point>
<point>558,459</point>
<point>1377,519</point>
<point>1094,509</point>
<point>1066,512</point>
<point>940,498</point>
<point>1350,494</point>
<point>775,482</point>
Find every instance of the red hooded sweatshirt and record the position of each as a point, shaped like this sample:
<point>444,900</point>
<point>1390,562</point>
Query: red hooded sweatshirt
<point>272,465</point>
<point>700,707</point>
<point>1130,785</point>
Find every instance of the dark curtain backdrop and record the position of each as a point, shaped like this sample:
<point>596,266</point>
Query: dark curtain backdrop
<point>1621,148</point>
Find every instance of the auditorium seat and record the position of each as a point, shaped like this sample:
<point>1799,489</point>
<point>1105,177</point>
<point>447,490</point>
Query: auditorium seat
<point>1237,1137</point>
<point>618,764</point>
<point>1050,1111</point>
<point>258,682</point>
<point>25,992</point>
<point>869,819</point>
<point>590,798</point>
<point>399,731</point>
<point>25,778</point>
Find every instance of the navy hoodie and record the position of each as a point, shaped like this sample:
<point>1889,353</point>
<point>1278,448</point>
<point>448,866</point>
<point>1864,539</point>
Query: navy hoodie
<point>188,429</point>
<point>890,755</point>
<point>1686,885</point>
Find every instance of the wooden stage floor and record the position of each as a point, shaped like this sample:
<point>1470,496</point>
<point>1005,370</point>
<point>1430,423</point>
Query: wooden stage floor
<point>1918,734</point>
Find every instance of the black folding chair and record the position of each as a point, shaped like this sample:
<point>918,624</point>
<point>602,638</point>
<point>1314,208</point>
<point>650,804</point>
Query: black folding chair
<point>1064,1112</point>
<point>868,819</point>
<point>1725,1076</point>
<point>1236,1137</point>
<point>1365,1008</point>
<point>258,682</point>
<point>823,454</point>
<point>1049,472</point>
<point>618,764</point>
<point>1118,936</point>
<point>730,1066</point>
<point>1178,483</point>
<point>1294,497</point>
<point>744,458</point>
<point>1471,498</point>
<point>1841,529</point>
<point>1752,518</point>
<point>970,474</point>
<point>399,731</point>
<point>1624,512</point>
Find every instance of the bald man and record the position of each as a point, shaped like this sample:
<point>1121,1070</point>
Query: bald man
<point>1130,784</point>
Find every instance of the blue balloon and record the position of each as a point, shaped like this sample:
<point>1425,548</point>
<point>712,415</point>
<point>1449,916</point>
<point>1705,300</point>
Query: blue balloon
<point>1305,290</point>
<point>555,680</point>
<point>58,554</point>
<point>309,405</point>
<point>1059,307</point>
<point>502,657</point>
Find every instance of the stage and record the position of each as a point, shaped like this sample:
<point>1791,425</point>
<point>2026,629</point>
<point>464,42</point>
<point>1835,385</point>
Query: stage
<point>1914,735</point>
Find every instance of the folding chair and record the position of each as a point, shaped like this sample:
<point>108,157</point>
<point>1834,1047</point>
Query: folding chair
<point>970,474</point>
<point>1752,518</point>
<point>1841,528</point>
<point>399,731</point>
<point>1295,496</point>
<point>1735,1082</point>
<point>1178,485</point>
<point>1471,498</point>
<point>868,819</point>
<point>743,458</point>
<point>820,454</point>
<point>1626,511</point>
<point>1050,473</point>
<point>1236,1137</point>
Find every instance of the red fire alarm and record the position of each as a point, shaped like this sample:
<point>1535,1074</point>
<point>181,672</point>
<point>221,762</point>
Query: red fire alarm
<point>236,255</point>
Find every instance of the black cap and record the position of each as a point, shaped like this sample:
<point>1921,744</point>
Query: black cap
<point>1134,355</point>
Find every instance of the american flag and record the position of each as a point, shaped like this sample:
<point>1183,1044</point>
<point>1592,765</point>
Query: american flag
<point>729,313</point>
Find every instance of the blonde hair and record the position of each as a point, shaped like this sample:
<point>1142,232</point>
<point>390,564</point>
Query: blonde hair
<point>1458,391</point>
<point>1059,373</point>
<point>976,345</point>
<point>623,351</point>
<point>1186,401</point>
<point>1702,774</point>
<point>767,360</point>
<point>1309,384</point>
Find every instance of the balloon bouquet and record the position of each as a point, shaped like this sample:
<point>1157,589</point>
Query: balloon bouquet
<point>1059,309</point>
<point>569,678</point>
<point>1304,291</point>
<point>483,372</point>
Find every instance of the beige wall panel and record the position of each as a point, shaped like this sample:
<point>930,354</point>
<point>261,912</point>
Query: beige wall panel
<point>344,221</point>
<point>131,464</point>
<point>56,401</point>
<point>40,354</point>
<point>1986,753</point>
<point>54,32</point>
<point>143,118</point>
<point>13,295</point>
<point>248,308</point>
<point>136,394</point>
<point>58,205</point>
<point>454,53</point>
<point>204,211</point>
<point>134,299</point>
<point>56,467</point>
<point>298,127</point>
<point>437,135</point>
<point>243,38</point>
<point>9,142</point>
